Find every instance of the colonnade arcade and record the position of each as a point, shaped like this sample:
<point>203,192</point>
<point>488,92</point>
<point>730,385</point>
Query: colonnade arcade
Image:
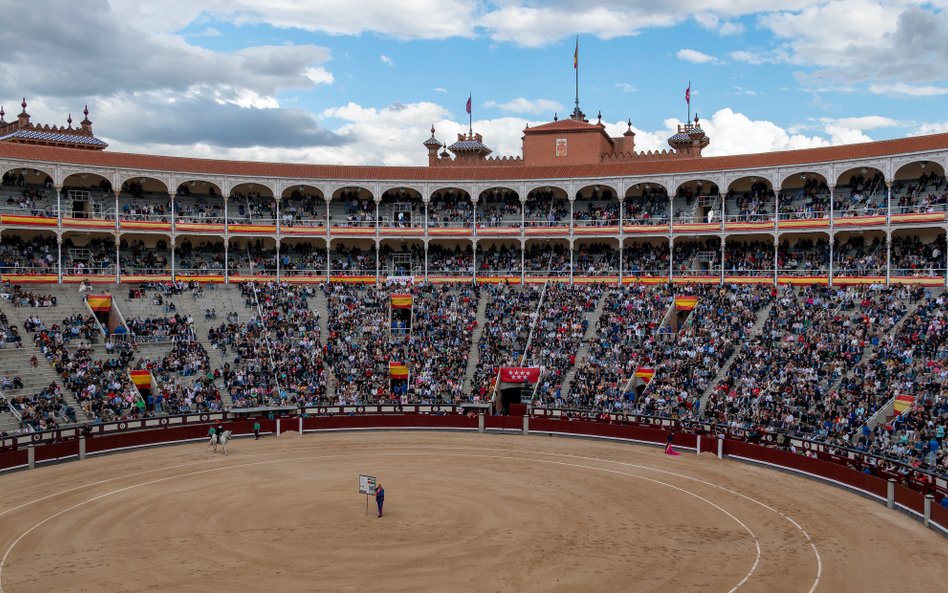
<point>814,223</point>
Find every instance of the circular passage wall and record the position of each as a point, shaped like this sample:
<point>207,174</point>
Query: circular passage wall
<point>463,512</point>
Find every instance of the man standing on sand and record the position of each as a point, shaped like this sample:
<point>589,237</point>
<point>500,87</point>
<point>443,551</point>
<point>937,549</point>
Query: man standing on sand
<point>379,497</point>
<point>256,430</point>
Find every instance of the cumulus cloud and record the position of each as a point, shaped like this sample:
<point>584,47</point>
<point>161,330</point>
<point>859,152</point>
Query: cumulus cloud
<point>712,22</point>
<point>866,40</point>
<point>88,51</point>
<point>694,56</point>
<point>523,105</point>
<point>900,89</point>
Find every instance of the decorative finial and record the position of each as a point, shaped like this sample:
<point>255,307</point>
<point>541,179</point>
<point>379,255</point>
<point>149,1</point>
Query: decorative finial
<point>69,120</point>
<point>696,118</point>
<point>432,130</point>
<point>85,111</point>
<point>630,123</point>
<point>555,117</point>
<point>23,104</point>
<point>2,113</point>
<point>599,116</point>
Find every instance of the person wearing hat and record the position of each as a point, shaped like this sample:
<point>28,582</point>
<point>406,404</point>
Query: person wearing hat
<point>379,497</point>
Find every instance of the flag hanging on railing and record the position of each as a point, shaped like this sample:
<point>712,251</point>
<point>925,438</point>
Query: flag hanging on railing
<point>903,402</point>
<point>100,302</point>
<point>141,379</point>
<point>520,374</point>
<point>644,373</point>
<point>686,303</point>
<point>397,370</point>
<point>401,301</point>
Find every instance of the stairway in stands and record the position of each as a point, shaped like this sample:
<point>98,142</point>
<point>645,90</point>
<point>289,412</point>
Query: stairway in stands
<point>754,331</point>
<point>592,319</point>
<point>16,361</point>
<point>223,299</point>
<point>474,357</point>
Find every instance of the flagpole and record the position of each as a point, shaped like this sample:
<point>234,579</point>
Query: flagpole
<point>576,64</point>
<point>470,117</point>
<point>689,102</point>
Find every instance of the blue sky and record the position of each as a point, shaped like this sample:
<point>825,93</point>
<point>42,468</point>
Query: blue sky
<point>362,80</point>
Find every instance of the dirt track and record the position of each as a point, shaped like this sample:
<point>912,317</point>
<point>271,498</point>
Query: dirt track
<point>464,512</point>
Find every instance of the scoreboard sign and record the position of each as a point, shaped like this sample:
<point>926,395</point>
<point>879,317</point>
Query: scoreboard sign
<point>366,484</point>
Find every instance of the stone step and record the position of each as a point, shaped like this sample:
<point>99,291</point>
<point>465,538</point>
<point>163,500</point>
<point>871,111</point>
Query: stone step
<point>582,351</point>
<point>474,356</point>
<point>755,330</point>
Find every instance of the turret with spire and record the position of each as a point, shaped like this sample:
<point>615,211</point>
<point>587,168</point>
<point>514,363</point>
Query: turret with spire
<point>690,139</point>
<point>23,131</point>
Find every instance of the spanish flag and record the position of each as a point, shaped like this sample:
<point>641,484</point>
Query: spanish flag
<point>644,373</point>
<point>576,55</point>
<point>100,302</point>
<point>397,370</point>
<point>686,303</point>
<point>401,301</point>
<point>141,379</point>
<point>903,402</point>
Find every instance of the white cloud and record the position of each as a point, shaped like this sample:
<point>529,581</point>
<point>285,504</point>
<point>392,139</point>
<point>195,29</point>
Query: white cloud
<point>440,89</point>
<point>900,89</point>
<point>931,128</point>
<point>523,105</point>
<point>866,40</point>
<point>867,122</point>
<point>712,22</point>
<point>386,60</point>
<point>626,87</point>
<point>694,56</point>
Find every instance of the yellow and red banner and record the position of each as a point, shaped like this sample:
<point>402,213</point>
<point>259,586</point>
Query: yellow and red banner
<point>644,373</point>
<point>903,402</point>
<point>401,301</point>
<point>686,303</point>
<point>141,379</point>
<point>100,302</point>
<point>397,370</point>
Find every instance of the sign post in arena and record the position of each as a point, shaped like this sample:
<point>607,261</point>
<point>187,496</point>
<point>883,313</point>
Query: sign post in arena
<point>367,487</point>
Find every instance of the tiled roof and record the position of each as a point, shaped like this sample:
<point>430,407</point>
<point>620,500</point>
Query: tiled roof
<point>680,136</point>
<point>195,167</point>
<point>467,145</point>
<point>565,125</point>
<point>54,137</point>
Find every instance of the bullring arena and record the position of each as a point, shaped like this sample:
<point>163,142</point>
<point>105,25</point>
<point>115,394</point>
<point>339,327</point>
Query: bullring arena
<point>506,343</point>
<point>464,512</point>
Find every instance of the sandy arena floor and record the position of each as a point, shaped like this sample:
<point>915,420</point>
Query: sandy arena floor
<point>464,512</point>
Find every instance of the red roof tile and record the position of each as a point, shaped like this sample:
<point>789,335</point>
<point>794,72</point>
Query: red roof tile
<point>198,166</point>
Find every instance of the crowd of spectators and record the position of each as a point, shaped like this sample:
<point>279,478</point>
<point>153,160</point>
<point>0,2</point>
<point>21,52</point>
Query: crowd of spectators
<point>450,208</point>
<point>558,331</point>
<point>509,314</point>
<point>705,341</point>
<point>804,256</point>
<point>544,208</point>
<point>547,258</point>
<point>649,208</point>
<point>498,259</point>
<point>858,257</point>
<point>352,260</point>
<point>911,256</point>
<point>625,337</point>
<point>498,208</point>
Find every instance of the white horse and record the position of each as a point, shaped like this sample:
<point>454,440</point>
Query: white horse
<point>220,440</point>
